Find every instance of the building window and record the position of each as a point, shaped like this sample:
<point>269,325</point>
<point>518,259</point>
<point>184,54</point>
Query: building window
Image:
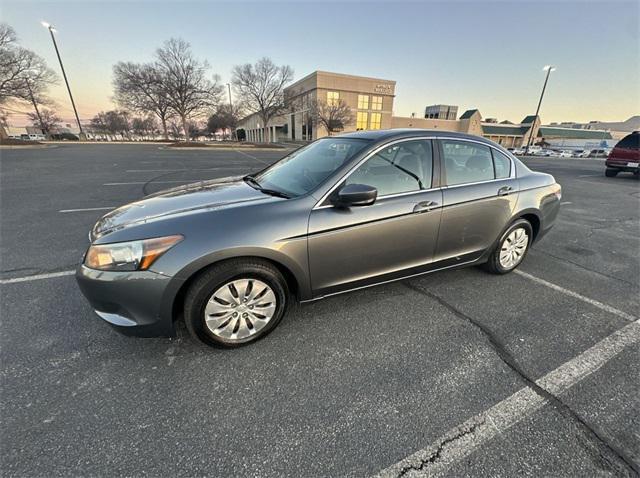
<point>363,102</point>
<point>333,98</point>
<point>376,120</point>
<point>376,103</point>
<point>361,120</point>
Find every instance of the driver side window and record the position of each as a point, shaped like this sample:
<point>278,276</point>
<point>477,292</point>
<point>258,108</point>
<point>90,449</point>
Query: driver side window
<point>399,168</point>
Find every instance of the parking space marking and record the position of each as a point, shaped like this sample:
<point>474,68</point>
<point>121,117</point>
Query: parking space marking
<point>251,156</point>
<point>50,275</point>
<point>179,170</point>
<point>184,181</point>
<point>462,440</point>
<point>575,295</point>
<point>106,208</point>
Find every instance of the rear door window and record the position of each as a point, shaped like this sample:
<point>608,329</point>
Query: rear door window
<point>466,162</point>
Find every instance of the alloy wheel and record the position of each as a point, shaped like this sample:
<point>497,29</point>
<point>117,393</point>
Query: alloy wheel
<point>513,248</point>
<point>240,309</point>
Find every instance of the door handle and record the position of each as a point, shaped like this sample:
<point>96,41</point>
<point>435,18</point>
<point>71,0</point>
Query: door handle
<point>425,206</point>
<point>505,191</point>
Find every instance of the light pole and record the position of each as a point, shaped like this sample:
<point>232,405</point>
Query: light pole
<point>64,75</point>
<point>548,69</point>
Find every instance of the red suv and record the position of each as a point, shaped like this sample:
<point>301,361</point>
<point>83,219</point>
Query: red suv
<point>625,156</point>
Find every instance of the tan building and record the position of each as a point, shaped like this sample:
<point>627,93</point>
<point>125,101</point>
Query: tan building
<point>370,99</point>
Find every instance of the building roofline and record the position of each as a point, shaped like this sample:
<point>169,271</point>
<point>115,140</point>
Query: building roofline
<point>341,75</point>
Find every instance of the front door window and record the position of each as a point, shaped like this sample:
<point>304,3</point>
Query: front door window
<point>399,168</point>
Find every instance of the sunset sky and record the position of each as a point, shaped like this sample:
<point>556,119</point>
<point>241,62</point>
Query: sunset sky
<point>485,55</point>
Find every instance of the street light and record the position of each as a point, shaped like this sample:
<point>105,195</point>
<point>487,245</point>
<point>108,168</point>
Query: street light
<point>51,29</point>
<point>548,69</point>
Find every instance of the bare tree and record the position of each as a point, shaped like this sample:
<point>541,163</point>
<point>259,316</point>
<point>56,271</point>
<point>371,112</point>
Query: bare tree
<point>46,120</point>
<point>23,74</point>
<point>261,88</point>
<point>141,88</point>
<point>144,126</point>
<point>190,94</point>
<point>332,116</point>
<point>112,122</point>
<point>225,118</point>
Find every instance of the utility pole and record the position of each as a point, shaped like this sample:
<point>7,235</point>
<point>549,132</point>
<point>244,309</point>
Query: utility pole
<point>548,69</point>
<point>64,75</point>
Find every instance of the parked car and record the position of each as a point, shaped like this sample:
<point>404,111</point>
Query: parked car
<point>577,153</point>
<point>565,154</point>
<point>342,213</point>
<point>598,153</point>
<point>517,151</point>
<point>543,152</point>
<point>625,156</point>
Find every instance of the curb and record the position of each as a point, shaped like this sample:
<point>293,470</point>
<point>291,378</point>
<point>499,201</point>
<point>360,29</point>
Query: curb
<point>35,146</point>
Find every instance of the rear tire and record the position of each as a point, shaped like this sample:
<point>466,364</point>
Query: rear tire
<point>611,173</point>
<point>511,249</point>
<point>236,302</point>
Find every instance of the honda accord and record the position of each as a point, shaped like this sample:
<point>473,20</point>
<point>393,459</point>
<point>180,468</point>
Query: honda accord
<point>345,212</point>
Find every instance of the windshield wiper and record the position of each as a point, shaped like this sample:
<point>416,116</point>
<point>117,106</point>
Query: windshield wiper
<point>271,192</point>
<point>252,182</point>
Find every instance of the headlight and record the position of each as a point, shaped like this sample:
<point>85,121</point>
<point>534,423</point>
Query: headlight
<point>129,256</point>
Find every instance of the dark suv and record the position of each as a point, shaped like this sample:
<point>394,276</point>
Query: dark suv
<point>625,156</point>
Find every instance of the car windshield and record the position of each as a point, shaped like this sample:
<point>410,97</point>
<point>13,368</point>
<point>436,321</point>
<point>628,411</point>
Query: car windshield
<point>303,170</point>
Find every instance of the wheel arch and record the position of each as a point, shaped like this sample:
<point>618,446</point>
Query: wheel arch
<point>295,280</point>
<point>533,217</point>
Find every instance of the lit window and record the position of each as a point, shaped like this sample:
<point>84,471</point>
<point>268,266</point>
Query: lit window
<point>363,102</point>
<point>333,98</point>
<point>361,120</point>
<point>376,103</point>
<point>376,120</point>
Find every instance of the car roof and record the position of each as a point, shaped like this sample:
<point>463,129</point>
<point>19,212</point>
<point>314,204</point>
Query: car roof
<point>386,134</point>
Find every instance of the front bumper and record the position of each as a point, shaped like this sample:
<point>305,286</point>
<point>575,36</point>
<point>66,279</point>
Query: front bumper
<point>135,303</point>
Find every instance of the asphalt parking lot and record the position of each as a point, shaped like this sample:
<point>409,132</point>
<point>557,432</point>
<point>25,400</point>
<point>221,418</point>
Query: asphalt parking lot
<point>458,373</point>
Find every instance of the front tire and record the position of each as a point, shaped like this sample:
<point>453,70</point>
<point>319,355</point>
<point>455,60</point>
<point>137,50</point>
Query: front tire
<point>511,249</point>
<point>235,302</point>
<point>611,173</point>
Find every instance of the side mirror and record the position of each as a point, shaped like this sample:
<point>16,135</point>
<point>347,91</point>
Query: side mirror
<point>356,195</point>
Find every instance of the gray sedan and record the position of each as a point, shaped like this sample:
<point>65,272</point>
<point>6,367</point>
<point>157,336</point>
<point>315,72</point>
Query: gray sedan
<point>342,213</point>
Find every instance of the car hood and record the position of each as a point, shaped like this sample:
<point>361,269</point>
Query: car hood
<point>212,194</point>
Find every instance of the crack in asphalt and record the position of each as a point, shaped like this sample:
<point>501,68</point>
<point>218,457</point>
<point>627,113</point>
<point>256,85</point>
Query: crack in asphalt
<point>505,356</point>
<point>435,455</point>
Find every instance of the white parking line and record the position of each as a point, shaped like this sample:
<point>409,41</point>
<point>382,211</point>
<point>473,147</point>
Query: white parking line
<point>575,295</point>
<point>250,156</point>
<point>88,209</point>
<point>179,170</point>
<point>36,277</point>
<point>184,181</point>
<point>461,441</point>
